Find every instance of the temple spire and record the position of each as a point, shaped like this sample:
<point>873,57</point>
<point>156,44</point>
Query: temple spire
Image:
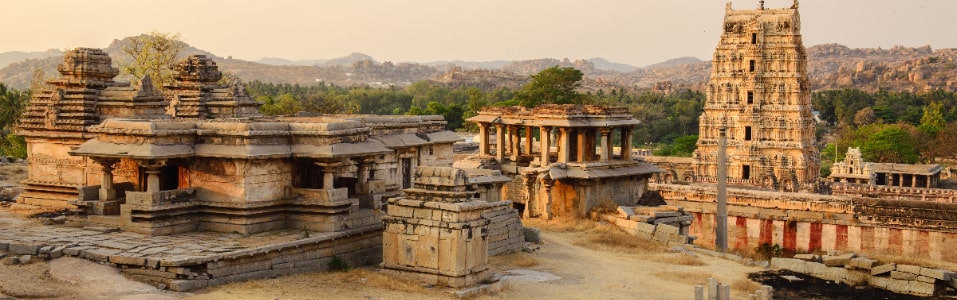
<point>761,3</point>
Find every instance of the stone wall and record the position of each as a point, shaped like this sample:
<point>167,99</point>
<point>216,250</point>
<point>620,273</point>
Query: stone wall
<point>505,231</point>
<point>807,222</point>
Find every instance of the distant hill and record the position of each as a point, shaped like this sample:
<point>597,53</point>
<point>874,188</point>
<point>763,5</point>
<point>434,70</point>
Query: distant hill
<point>604,64</point>
<point>831,66</point>
<point>8,58</point>
<point>347,60</point>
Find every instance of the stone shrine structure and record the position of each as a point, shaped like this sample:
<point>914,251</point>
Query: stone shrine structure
<point>759,92</point>
<point>202,157</point>
<point>853,169</point>
<point>577,173</point>
<point>439,231</point>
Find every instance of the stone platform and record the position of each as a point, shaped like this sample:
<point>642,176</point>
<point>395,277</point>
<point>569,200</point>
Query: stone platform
<point>196,260</point>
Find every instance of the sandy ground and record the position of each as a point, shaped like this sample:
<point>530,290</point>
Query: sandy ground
<point>577,272</point>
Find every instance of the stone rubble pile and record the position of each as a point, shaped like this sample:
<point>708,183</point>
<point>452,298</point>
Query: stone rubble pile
<point>666,224</point>
<point>850,269</point>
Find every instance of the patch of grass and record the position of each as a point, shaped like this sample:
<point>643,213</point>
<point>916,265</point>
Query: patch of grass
<point>745,285</point>
<point>610,238</point>
<point>679,259</point>
<point>685,276</point>
<point>339,264</point>
<point>517,260</point>
<point>562,224</point>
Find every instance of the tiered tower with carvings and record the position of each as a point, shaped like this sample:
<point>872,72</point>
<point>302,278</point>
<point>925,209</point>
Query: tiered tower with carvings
<point>759,92</point>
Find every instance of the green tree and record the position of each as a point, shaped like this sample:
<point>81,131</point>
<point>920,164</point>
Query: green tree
<point>152,54</point>
<point>895,143</point>
<point>283,105</point>
<point>555,85</point>
<point>12,102</point>
<point>933,119</point>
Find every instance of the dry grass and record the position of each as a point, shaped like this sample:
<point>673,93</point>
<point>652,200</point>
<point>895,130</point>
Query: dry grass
<point>517,260</point>
<point>939,264</point>
<point>679,259</point>
<point>685,276</point>
<point>610,238</point>
<point>744,285</point>
<point>564,224</point>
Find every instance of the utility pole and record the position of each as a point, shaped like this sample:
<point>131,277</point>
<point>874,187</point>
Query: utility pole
<point>721,216</point>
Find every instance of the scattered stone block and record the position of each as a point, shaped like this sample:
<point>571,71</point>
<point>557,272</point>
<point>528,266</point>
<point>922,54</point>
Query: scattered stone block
<point>25,259</point>
<point>936,273</point>
<point>794,265</point>
<point>926,279</point>
<point>24,248</point>
<point>642,218</point>
<point>878,282</point>
<point>815,269</point>
<point>625,212</point>
<point>882,269</point>
<point>806,256</point>
<point>903,275</point>
<point>856,278</point>
<point>920,288</point>
<point>667,214</point>
<point>897,286</point>
<point>863,263</point>
<point>11,261</point>
<point>909,269</point>
<point>838,260</point>
<point>533,235</point>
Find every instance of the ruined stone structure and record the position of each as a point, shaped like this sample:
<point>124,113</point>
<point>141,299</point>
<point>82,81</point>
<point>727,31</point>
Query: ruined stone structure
<point>439,232</point>
<point>853,169</point>
<point>571,167</point>
<point>759,92</point>
<point>202,158</point>
<point>809,223</point>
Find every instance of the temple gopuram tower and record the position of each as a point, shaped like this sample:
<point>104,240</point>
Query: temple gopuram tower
<point>759,92</point>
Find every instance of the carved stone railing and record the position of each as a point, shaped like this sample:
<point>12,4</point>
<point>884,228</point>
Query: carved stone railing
<point>894,192</point>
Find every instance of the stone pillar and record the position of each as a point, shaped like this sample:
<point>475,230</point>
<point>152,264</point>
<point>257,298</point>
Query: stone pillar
<point>107,191</point>
<point>529,141</point>
<point>152,174</point>
<point>721,216</point>
<point>499,142</point>
<point>328,179</point>
<point>545,132</point>
<point>546,208</point>
<point>363,170</point>
<point>581,146</point>
<point>483,139</point>
<point>626,143</point>
<point>563,154</point>
<point>605,145</point>
<point>514,147</point>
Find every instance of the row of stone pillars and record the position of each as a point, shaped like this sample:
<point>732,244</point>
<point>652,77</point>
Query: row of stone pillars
<point>107,189</point>
<point>585,146</point>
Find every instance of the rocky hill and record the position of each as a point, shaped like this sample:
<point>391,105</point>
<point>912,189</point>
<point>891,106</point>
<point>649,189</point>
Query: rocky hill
<point>831,66</point>
<point>8,58</point>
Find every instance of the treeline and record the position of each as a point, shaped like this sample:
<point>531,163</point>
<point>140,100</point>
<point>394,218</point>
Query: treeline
<point>888,126</point>
<point>664,118</point>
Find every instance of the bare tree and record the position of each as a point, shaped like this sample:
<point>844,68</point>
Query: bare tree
<point>152,54</point>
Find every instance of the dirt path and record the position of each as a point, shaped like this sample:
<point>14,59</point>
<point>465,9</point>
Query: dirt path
<point>585,269</point>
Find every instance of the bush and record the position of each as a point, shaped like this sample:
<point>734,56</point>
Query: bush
<point>339,264</point>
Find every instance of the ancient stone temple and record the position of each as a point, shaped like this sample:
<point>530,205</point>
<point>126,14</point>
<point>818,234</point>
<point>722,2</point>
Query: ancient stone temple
<point>202,158</point>
<point>571,167</point>
<point>441,230</point>
<point>853,169</point>
<point>759,92</point>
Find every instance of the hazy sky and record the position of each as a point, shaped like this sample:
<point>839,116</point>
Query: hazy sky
<point>637,32</point>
